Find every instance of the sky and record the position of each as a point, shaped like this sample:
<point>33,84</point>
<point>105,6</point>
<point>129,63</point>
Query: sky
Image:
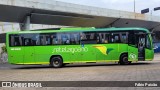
<point>124,5</point>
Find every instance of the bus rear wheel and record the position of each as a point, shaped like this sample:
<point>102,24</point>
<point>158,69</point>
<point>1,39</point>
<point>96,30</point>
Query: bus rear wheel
<point>124,60</point>
<point>56,62</point>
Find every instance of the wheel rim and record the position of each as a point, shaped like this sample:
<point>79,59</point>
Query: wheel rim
<point>56,63</point>
<point>125,60</point>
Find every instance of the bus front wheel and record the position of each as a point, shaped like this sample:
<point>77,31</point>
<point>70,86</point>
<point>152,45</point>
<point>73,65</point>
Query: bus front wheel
<point>124,60</point>
<point>56,62</point>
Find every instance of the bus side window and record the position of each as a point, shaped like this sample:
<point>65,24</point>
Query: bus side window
<point>65,38</point>
<point>148,42</point>
<point>83,36</point>
<point>47,39</point>
<point>31,39</point>
<point>124,37</point>
<point>15,40</point>
<point>98,38</point>
<point>106,39</point>
<point>68,38</point>
<point>27,42</point>
<point>54,39</point>
<point>88,38</point>
<point>102,37</point>
<point>34,39</point>
<point>131,38</point>
<point>74,38</point>
<point>11,40</point>
<point>115,38</point>
<point>37,40</point>
<point>43,39</point>
<point>58,39</point>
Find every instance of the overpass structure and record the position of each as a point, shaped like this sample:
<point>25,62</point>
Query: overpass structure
<point>26,12</point>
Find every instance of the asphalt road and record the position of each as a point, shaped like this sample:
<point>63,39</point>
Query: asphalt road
<point>141,71</point>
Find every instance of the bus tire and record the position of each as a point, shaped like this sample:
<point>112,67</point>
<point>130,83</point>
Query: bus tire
<point>56,62</point>
<point>124,60</point>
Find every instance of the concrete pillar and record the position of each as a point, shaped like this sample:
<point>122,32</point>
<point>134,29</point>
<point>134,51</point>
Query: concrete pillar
<point>26,24</point>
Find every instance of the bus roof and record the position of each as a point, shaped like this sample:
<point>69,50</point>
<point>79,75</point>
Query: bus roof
<point>79,29</point>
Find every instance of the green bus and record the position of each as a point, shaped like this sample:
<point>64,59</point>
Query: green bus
<point>58,47</point>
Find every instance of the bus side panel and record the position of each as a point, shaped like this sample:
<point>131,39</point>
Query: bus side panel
<point>110,52</point>
<point>122,48</point>
<point>101,52</point>
<point>42,54</point>
<point>67,52</point>
<point>149,54</point>
<point>113,51</point>
<point>132,53</point>
<point>29,55</point>
<point>87,53</point>
<point>15,55</point>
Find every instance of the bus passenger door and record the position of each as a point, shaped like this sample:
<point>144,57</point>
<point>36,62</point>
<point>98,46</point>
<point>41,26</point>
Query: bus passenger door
<point>132,47</point>
<point>141,40</point>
